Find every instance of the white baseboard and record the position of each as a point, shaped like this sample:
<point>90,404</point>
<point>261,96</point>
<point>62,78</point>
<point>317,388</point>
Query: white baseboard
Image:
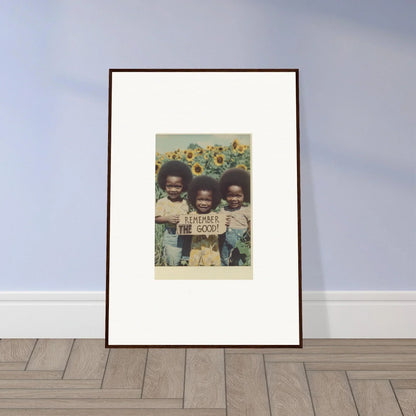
<point>52,314</point>
<point>334,314</point>
<point>359,314</point>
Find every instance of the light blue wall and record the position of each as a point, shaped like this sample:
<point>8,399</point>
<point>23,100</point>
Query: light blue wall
<point>357,63</point>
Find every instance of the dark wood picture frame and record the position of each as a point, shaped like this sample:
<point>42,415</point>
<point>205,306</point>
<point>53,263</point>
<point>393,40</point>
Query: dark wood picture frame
<point>110,309</point>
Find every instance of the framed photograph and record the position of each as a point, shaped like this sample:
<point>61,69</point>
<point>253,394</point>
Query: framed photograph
<point>203,211</point>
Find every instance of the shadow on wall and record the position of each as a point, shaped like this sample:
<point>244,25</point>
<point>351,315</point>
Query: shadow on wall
<point>312,269</point>
<point>381,15</point>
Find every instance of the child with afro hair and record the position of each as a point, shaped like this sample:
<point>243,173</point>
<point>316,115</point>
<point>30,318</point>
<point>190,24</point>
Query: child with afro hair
<point>235,189</point>
<point>204,195</point>
<point>174,177</point>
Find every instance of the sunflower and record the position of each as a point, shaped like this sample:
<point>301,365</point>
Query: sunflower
<point>209,147</point>
<point>220,148</point>
<point>241,166</point>
<point>169,155</point>
<point>184,152</point>
<point>197,169</point>
<point>176,156</point>
<point>157,167</point>
<point>199,151</point>
<point>206,156</point>
<point>236,143</point>
<point>240,149</point>
<point>190,154</point>
<point>219,159</point>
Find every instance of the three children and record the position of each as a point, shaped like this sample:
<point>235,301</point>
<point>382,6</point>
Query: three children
<point>204,195</point>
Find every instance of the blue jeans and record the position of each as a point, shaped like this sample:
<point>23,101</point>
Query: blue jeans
<point>232,236</point>
<point>172,247</point>
<point>175,247</point>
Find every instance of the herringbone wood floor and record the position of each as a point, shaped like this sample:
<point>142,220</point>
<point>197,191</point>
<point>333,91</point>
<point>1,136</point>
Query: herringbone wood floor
<point>325,378</point>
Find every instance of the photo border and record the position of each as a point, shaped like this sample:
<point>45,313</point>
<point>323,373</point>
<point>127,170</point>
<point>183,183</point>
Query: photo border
<point>214,272</point>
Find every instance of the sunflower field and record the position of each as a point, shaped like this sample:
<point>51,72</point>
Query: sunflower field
<point>211,161</point>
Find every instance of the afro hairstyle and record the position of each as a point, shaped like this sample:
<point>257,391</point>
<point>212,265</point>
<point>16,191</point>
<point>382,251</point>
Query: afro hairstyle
<point>204,183</point>
<point>238,177</point>
<point>174,168</point>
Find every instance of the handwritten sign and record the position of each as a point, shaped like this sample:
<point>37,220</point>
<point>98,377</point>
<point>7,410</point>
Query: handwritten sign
<point>201,224</point>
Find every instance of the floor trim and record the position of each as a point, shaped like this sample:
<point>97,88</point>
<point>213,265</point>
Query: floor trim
<point>329,314</point>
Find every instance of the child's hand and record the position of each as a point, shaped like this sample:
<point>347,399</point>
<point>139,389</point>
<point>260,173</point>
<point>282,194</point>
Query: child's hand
<point>173,219</point>
<point>228,220</point>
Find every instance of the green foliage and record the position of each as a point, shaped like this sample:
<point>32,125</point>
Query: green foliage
<point>193,146</point>
<point>159,261</point>
<point>244,247</point>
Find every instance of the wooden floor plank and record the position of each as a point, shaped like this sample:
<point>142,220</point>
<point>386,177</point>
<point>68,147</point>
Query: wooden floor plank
<point>404,384</point>
<point>407,401</point>
<point>70,393</point>
<point>125,369</point>
<point>30,375</point>
<point>50,354</point>
<point>357,358</point>
<point>288,389</point>
<point>112,412</point>
<point>204,378</point>
<point>381,375</point>
<point>378,371</point>
<point>329,349</point>
<point>164,375</point>
<point>375,398</point>
<point>246,385</point>
<point>87,360</point>
<point>12,366</point>
<point>263,350</point>
<point>331,394</point>
<point>90,403</point>
<point>50,384</point>
<point>357,341</point>
<point>16,349</point>
<point>376,366</point>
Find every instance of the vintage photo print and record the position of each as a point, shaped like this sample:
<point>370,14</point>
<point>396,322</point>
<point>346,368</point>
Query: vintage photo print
<point>203,206</point>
